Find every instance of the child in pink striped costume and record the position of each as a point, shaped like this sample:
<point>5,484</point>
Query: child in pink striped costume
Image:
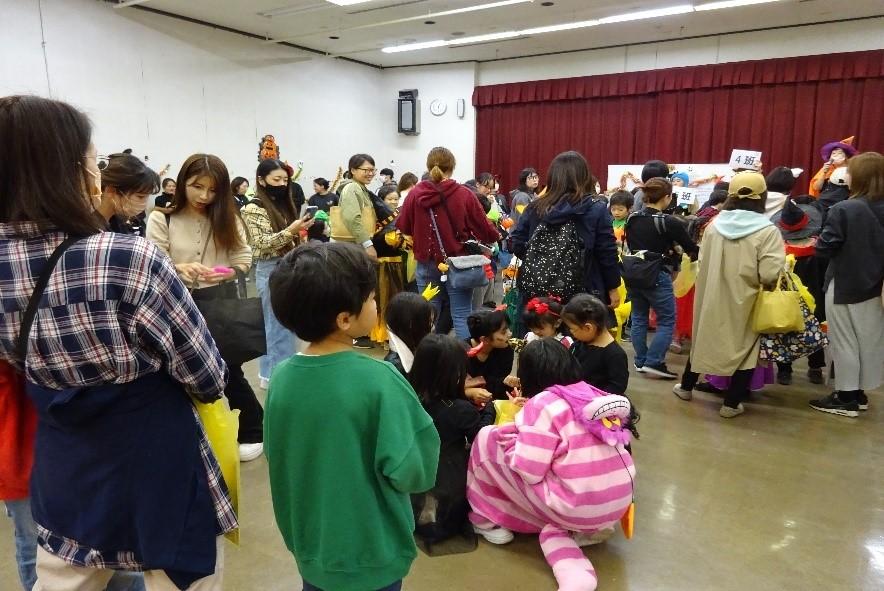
<point>561,469</point>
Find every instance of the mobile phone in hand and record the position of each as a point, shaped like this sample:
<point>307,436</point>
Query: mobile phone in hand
<point>311,210</point>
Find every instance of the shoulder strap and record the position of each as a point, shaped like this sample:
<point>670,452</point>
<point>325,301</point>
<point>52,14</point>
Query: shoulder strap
<point>436,230</point>
<point>27,322</point>
<point>660,223</point>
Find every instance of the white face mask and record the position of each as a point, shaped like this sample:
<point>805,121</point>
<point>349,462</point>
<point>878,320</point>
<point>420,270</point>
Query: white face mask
<point>838,157</point>
<point>127,206</point>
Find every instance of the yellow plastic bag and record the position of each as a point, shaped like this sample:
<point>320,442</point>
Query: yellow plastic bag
<point>621,312</point>
<point>506,411</point>
<point>222,427</point>
<point>778,311</point>
<point>802,289</point>
<point>687,277</point>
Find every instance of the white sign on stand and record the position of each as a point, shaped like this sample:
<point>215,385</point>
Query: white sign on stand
<point>745,159</point>
<point>685,196</point>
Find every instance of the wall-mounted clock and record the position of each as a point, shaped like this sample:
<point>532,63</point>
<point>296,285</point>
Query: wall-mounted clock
<point>438,107</point>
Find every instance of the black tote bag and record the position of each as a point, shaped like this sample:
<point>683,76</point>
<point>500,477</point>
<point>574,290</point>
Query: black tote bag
<point>236,324</point>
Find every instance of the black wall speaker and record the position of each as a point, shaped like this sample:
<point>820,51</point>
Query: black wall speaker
<point>409,112</point>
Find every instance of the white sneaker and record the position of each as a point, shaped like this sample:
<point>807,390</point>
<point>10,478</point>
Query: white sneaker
<point>681,392</point>
<point>265,382</point>
<point>250,451</point>
<point>495,535</point>
<point>603,535</point>
<point>638,368</point>
<point>727,412</point>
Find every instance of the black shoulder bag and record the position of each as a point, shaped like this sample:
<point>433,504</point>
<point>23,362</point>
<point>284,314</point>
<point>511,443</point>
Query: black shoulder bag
<point>641,269</point>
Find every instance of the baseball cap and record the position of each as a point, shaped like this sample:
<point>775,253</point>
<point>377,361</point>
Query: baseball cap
<point>747,185</point>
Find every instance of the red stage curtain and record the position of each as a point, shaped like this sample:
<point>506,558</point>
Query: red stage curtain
<point>786,108</point>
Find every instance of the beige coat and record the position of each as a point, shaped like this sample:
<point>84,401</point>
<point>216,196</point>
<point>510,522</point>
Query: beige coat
<point>727,283</point>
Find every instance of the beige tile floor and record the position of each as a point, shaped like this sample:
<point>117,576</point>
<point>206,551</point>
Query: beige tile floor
<point>781,498</point>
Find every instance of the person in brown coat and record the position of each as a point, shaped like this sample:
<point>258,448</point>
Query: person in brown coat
<point>741,251</point>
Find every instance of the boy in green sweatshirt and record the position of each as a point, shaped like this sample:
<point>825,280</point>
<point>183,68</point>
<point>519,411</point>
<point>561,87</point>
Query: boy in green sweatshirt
<point>345,436</point>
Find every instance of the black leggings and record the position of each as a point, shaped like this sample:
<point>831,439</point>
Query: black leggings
<point>736,392</point>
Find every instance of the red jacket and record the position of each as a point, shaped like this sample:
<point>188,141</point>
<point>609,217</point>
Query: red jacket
<point>18,425</point>
<point>460,217</point>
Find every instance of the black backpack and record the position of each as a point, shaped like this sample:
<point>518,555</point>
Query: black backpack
<point>554,264</point>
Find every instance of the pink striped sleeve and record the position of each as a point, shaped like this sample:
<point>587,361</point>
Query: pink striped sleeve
<point>536,442</point>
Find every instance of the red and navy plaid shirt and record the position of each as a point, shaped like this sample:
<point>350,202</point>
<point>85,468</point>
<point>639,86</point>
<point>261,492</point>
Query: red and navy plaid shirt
<point>114,311</point>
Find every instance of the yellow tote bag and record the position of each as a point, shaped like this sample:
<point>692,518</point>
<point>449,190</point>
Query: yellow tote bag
<point>506,411</point>
<point>222,426</point>
<point>778,311</point>
<point>339,230</point>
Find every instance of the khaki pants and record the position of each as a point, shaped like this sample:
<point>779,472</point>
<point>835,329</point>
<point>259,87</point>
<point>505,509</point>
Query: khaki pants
<point>54,574</point>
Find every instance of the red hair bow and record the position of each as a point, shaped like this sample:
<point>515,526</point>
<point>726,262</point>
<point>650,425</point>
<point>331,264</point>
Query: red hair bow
<point>535,305</point>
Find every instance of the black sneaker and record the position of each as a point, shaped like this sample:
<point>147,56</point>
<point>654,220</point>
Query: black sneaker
<point>815,375</point>
<point>659,370</point>
<point>834,405</point>
<point>862,401</point>
<point>363,343</point>
<point>784,378</point>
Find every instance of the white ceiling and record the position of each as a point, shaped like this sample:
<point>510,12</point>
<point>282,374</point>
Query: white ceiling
<point>365,28</point>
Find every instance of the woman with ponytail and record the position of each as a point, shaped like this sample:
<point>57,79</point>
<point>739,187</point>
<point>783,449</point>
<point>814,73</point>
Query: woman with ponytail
<point>459,216</point>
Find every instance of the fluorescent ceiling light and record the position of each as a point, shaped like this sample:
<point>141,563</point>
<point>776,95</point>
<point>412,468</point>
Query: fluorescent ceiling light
<point>415,46</point>
<point>635,16</point>
<point>348,2</point>
<point>484,38</point>
<point>477,7</point>
<point>621,18</point>
<point>730,4</point>
<point>562,27</point>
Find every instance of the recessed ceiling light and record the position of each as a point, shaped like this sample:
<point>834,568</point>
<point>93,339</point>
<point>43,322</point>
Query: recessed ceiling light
<point>429,22</point>
<point>335,37</point>
<point>547,3</point>
<point>458,34</point>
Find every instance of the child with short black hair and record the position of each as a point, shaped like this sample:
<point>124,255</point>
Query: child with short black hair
<point>341,499</point>
<point>439,375</point>
<point>490,355</point>
<point>602,361</point>
<point>619,205</point>
<point>543,318</point>
<point>410,318</point>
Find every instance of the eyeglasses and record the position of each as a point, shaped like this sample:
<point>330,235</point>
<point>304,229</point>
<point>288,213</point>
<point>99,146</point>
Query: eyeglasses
<point>368,170</point>
<point>533,176</point>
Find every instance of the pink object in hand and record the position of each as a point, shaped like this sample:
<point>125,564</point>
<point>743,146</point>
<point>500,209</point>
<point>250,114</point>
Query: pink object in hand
<point>222,270</point>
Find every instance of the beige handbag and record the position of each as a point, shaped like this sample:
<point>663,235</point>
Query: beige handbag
<point>339,230</point>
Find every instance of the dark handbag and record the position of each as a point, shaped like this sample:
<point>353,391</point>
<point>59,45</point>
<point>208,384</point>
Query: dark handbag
<point>236,324</point>
<point>464,272</point>
<point>641,269</point>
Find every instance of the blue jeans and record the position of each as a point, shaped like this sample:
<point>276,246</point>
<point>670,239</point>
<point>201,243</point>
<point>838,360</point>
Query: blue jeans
<point>661,298</point>
<point>394,587</point>
<point>281,342</point>
<point>460,300</point>
<point>26,551</point>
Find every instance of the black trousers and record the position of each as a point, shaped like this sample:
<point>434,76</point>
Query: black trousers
<point>239,392</point>
<point>736,392</point>
<point>816,360</point>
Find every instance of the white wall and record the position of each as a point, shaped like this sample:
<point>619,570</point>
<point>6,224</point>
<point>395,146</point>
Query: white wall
<point>447,83</point>
<point>167,88</point>
<point>809,40</point>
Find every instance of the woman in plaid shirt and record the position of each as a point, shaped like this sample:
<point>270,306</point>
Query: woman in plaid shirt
<point>123,476</point>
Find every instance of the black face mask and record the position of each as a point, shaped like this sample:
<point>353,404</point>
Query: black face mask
<point>277,192</point>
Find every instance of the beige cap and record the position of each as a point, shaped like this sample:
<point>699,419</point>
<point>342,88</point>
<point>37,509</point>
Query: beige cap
<point>747,185</point>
